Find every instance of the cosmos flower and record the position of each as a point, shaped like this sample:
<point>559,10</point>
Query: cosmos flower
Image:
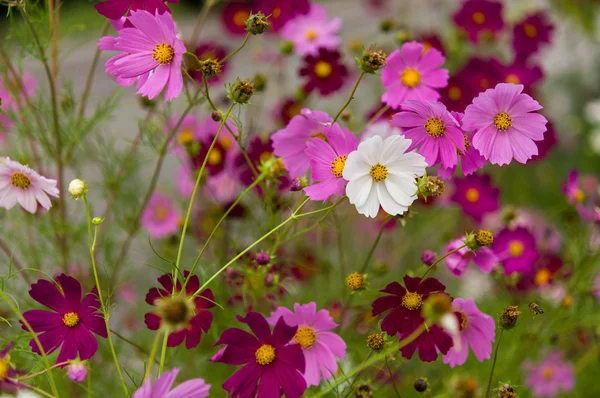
<point>516,249</point>
<point>210,50</point>
<point>530,34</point>
<point>572,189</point>
<point>457,95</point>
<point>319,346</point>
<point>188,135</point>
<point>551,376</point>
<point>115,9</point>
<point>21,184</point>
<point>234,16</point>
<point>160,218</point>
<point>382,128</point>
<point>8,381</point>
<point>411,74</point>
<point>430,343</point>
<point>476,196</point>
<point>184,318</point>
<point>477,330</point>
<point>271,364</point>
<point>433,130</point>
<point>505,124</point>
<point>470,159</point>
<point>517,73</point>
<point>289,143</point>
<point>70,323</point>
<point>379,172</point>
<point>479,18</point>
<point>546,145</point>
<point>151,51</point>
<point>258,151</point>
<point>323,72</point>
<point>286,110</point>
<point>478,74</point>
<point>13,95</point>
<point>194,388</point>
<point>327,160</point>
<point>457,262</point>
<point>282,11</point>
<point>312,31</point>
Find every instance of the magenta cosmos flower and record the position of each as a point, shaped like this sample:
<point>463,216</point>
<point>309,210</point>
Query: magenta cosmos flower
<point>433,130</point>
<point>505,124</point>
<point>194,388</point>
<point>319,346</point>
<point>151,53</point>
<point>517,250</point>
<point>413,74</point>
<point>323,72</point>
<point>476,196</point>
<point>70,323</point>
<point>282,11</point>
<point>530,34</point>
<point>21,184</point>
<point>327,161</point>
<point>271,364</point>
<point>289,143</point>
<point>160,217</point>
<point>479,18</point>
<point>312,31</point>
<point>186,319</point>
<point>477,330</point>
<point>457,262</point>
<point>8,375</point>
<point>115,9</point>
<point>551,376</point>
<point>470,159</point>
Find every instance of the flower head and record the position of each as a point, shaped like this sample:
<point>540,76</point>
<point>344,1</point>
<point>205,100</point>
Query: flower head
<point>312,31</point>
<point>77,188</point>
<point>323,72</point>
<point>457,262</point>
<point>8,381</point>
<point>476,196</point>
<point>70,323</point>
<point>412,74</point>
<point>430,343</point>
<point>379,172</point>
<point>160,217</point>
<point>115,9</point>
<point>210,50</point>
<point>19,183</point>
<point>551,376</point>
<point>282,11</point>
<point>470,159</point>
<point>517,250</point>
<point>479,17</point>
<point>194,388</point>
<point>530,34</point>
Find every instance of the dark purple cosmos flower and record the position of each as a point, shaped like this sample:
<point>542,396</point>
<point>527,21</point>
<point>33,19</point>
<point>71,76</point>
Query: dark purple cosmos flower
<point>287,109</point>
<point>480,18</point>
<point>115,9</point>
<point>258,151</point>
<point>405,303</point>
<point>431,40</point>
<point>8,382</point>
<point>71,321</point>
<point>429,343</point>
<point>210,50</point>
<point>516,250</point>
<point>272,366</point>
<point>476,196</point>
<point>235,14</point>
<point>186,318</point>
<point>518,73</point>
<point>323,72</point>
<point>529,34</point>
<point>546,271</point>
<point>281,11</point>
<point>480,74</point>
<point>459,93</point>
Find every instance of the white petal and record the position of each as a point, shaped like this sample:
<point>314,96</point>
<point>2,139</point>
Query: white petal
<point>358,190</point>
<point>371,150</point>
<point>387,202</point>
<point>355,167</point>
<point>408,163</point>
<point>393,148</point>
<point>8,199</point>
<point>371,206</point>
<point>402,188</point>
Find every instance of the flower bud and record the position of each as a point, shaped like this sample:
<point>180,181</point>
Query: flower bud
<point>210,68</point>
<point>371,61</point>
<point>147,103</point>
<point>77,188</point>
<point>403,36</point>
<point>215,116</point>
<point>346,116</point>
<point>375,341</point>
<point>241,91</point>
<point>481,238</point>
<point>506,391</point>
<point>77,371</point>
<point>431,186</point>
<point>97,220</point>
<point>436,306</point>
<point>298,184</point>
<point>509,317</point>
<point>286,47</point>
<point>355,281</point>
<point>262,258</point>
<point>428,257</point>
<point>260,82</point>
<point>364,390</point>
<point>257,23</point>
<point>420,385</point>
<point>387,25</point>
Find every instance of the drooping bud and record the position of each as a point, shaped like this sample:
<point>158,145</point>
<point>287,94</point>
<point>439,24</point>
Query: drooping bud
<point>509,317</point>
<point>355,281</point>
<point>257,23</point>
<point>428,257</point>
<point>420,385</point>
<point>77,188</point>
<point>210,68</point>
<point>371,61</point>
<point>430,186</point>
<point>241,91</point>
<point>375,341</point>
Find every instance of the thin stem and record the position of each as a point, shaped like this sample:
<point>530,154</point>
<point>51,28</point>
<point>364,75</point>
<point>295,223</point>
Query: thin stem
<point>387,365</point>
<point>431,267</point>
<point>53,16</point>
<point>376,116</point>
<point>152,355</point>
<point>489,386</point>
<point>11,255</point>
<point>374,246</point>
<point>163,353</point>
<point>32,375</point>
<point>208,4</point>
<point>357,375</point>
<point>351,96</point>
<point>231,54</point>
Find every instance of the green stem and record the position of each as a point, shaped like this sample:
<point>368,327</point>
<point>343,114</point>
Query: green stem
<point>32,375</point>
<point>374,246</point>
<point>489,386</point>
<point>163,352</point>
<point>357,375</point>
<point>231,54</point>
<point>387,365</point>
<point>432,266</point>
<point>351,96</point>
<point>152,355</point>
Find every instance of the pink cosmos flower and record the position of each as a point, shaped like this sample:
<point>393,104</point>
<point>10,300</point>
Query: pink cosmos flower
<point>289,143</point>
<point>505,126</point>
<point>412,74</point>
<point>115,9</point>
<point>572,190</point>
<point>470,159</point>
<point>550,376</point>
<point>517,250</point>
<point>151,51</point>
<point>312,31</point>
<point>433,130</point>
<point>194,388</point>
<point>327,161</point>
<point>457,262</point>
<point>382,128</point>
<point>476,195</point>
<point>160,217</point>
<point>13,95</point>
<point>479,17</point>
<point>21,184</point>
<point>319,346</point>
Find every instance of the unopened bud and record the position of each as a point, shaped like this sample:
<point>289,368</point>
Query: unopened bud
<point>286,47</point>
<point>77,371</point>
<point>346,116</point>
<point>431,186</point>
<point>257,23</point>
<point>364,390</point>
<point>262,258</point>
<point>97,220</point>
<point>298,184</point>
<point>260,82</point>
<point>403,36</point>
<point>215,116</point>
<point>371,61</point>
<point>509,317</point>
<point>428,257</point>
<point>420,385</point>
<point>241,91</point>
<point>355,281</point>
<point>210,68</point>
<point>77,188</point>
<point>375,341</point>
<point>387,25</point>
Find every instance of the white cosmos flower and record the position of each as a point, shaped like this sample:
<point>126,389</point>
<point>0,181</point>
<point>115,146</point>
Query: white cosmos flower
<point>379,172</point>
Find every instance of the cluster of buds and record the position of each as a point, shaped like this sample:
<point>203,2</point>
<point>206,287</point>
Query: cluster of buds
<point>371,61</point>
<point>430,186</point>
<point>257,23</point>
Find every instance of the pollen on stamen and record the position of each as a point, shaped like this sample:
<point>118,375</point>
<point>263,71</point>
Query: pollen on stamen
<point>435,127</point>
<point>502,121</point>
<point>378,172</point>
<point>412,300</point>
<point>20,180</point>
<point>163,54</point>
<point>337,166</point>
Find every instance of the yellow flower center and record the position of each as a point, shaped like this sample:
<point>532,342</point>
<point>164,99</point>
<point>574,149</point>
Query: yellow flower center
<point>516,248</point>
<point>226,141</point>
<point>323,69</point>
<point>512,78</point>
<point>20,180</point>
<point>379,172</point>
<point>542,277</point>
<point>530,30</point>
<point>479,18</point>
<point>454,93</point>
<point>579,196</point>
<point>71,319</point>
<point>472,195</point>
<point>3,369</point>
<point>502,121</point>
<point>435,127</point>
<point>411,77</point>
<point>276,12</point>
<point>319,135</point>
<point>175,310</point>
<point>215,157</point>
<point>412,300</point>
<point>186,137</point>
<point>161,213</point>
<point>464,322</point>
<point>548,373</point>
<point>240,17</point>
<point>163,54</point>
<point>311,34</point>
<point>337,166</point>
<point>265,354</point>
<point>305,336</point>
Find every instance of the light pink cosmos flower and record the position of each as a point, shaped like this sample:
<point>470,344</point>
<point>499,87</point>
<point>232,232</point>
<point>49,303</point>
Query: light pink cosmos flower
<point>550,376</point>
<point>194,388</point>
<point>12,102</point>
<point>382,128</point>
<point>433,130</point>
<point>412,74</point>
<point>504,125</point>
<point>457,262</point>
<point>327,161</point>
<point>470,160</point>
<point>312,31</point>
<point>477,330</point>
<point>160,217</point>
<point>289,143</point>
<point>21,184</point>
<point>319,346</point>
<point>152,53</point>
